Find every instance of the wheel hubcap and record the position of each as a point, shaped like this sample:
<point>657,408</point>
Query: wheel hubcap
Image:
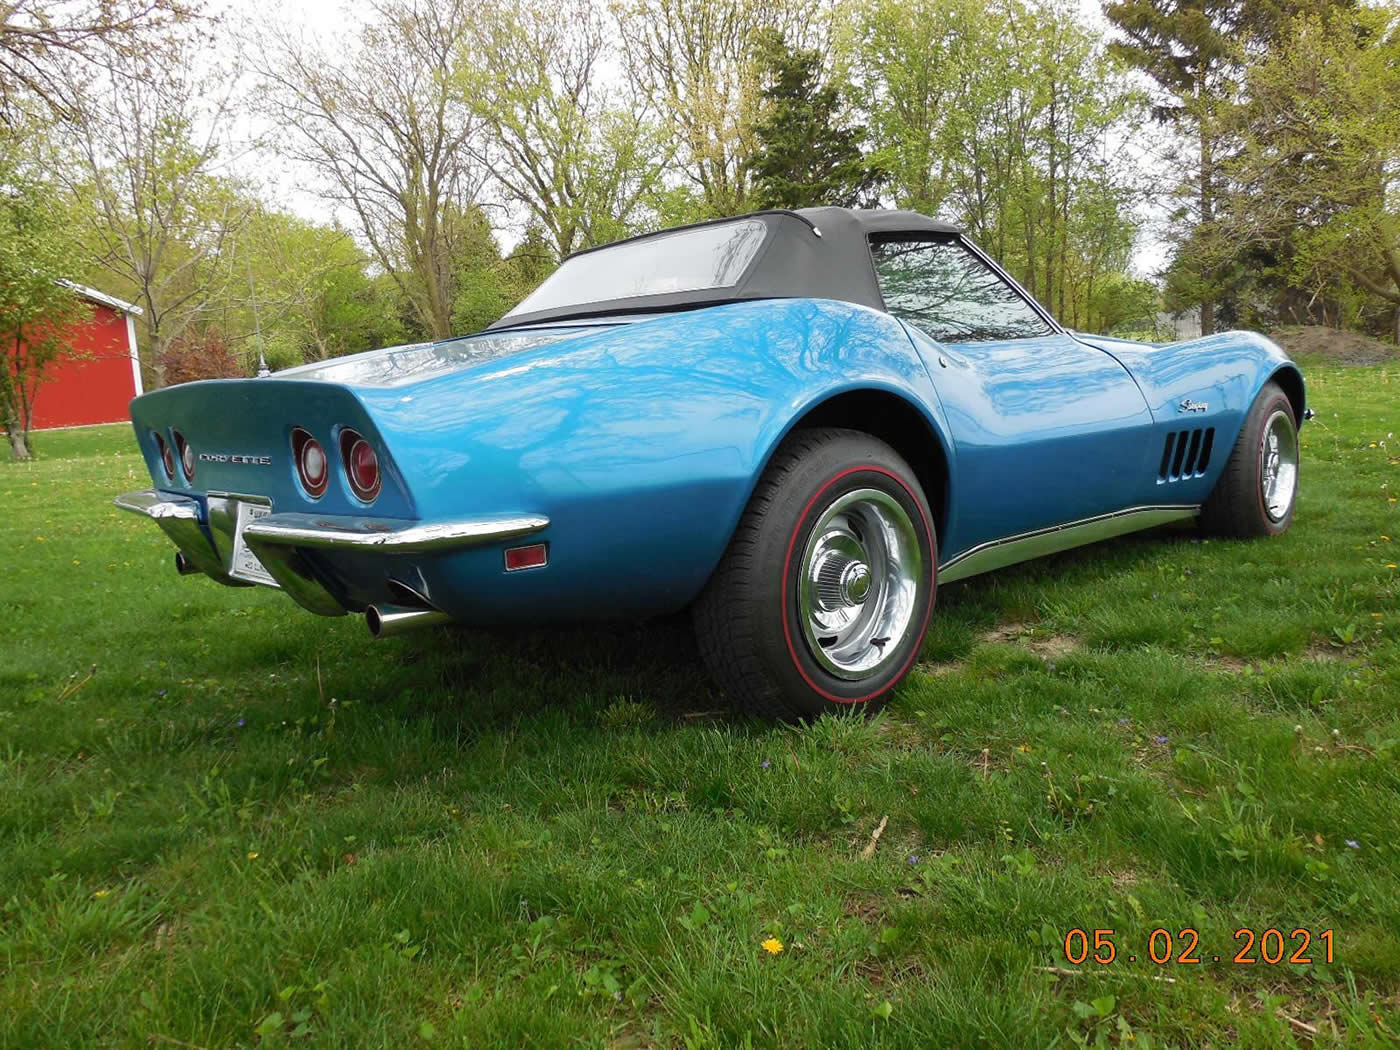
<point>1278,465</point>
<point>858,584</point>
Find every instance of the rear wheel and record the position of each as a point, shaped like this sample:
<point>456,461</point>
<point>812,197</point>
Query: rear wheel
<point>1256,494</point>
<point>823,596</point>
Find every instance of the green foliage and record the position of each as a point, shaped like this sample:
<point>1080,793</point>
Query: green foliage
<point>695,62</point>
<point>998,117</point>
<point>37,251</point>
<point>1312,187</point>
<point>808,153</point>
<point>304,290</point>
<point>579,157</point>
<point>489,285</point>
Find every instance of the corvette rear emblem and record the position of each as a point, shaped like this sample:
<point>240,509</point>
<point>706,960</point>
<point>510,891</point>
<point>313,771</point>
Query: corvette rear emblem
<point>225,457</point>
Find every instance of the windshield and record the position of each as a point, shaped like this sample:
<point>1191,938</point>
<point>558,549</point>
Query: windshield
<point>705,258</point>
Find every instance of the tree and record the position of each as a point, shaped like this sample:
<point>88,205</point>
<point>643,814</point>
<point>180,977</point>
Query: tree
<point>144,156</point>
<point>1003,118</point>
<point>908,52</point>
<point>1192,49</point>
<point>44,42</point>
<point>299,291</point>
<point>694,63</point>
<point>807,154</point>
<point>1313,186</point>
<point>381,119</point>
<point>579,156</point>
<point>37,253</point>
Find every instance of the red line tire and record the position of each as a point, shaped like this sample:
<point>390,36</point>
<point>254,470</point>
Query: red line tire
<point>823,596</point>
<point>1258,489</point>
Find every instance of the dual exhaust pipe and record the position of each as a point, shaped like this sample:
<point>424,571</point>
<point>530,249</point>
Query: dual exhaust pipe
<point>383,621</point>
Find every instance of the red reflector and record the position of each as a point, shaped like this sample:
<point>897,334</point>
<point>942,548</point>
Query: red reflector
<point>531,557</point>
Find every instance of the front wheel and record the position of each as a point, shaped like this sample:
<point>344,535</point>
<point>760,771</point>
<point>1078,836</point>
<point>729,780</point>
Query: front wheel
<point>1259,487</point>
<point>823,596</point>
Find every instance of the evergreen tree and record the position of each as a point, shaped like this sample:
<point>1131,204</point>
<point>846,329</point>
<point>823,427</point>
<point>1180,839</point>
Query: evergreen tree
<point>806,154</point>
<point>1191,49</point>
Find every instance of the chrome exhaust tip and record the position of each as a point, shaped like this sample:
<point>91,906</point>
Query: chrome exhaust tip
<point>184,566</point>
<point>385,621</point>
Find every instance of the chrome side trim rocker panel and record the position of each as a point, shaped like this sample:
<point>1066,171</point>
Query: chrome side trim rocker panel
<point>280,541</point>
<point>998,554</point>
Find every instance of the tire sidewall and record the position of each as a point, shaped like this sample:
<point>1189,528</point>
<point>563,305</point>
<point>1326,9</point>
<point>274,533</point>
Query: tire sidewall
<point>1265,408</point>
<point>844,466</point>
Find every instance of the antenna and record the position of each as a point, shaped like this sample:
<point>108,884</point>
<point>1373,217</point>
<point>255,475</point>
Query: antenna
<point>263,370</point>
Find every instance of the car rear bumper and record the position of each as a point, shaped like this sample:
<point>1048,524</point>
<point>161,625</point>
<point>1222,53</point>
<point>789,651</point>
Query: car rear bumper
<point>288,546</point>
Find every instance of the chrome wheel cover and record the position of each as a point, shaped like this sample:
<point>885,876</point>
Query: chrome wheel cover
<point>858,583</point>
<point>1278,465</point>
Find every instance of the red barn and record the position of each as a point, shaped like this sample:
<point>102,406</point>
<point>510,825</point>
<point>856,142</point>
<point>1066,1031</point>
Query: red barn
<point>97,381</point>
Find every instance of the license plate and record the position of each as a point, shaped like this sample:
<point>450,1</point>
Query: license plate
<point>245,563</point>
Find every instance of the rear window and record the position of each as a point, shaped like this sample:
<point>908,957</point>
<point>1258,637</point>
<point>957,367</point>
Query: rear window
<point>707,258</point>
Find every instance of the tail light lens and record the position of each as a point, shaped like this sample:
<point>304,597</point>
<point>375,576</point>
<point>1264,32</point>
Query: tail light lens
<point>167,458</point>
<point>361,466</point>
<point>312,466</point>
<point>186,454</point>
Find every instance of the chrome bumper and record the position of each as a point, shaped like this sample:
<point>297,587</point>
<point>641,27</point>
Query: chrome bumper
<point>282,541</point>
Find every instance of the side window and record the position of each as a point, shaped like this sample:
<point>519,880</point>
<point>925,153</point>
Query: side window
<point>942,288</point>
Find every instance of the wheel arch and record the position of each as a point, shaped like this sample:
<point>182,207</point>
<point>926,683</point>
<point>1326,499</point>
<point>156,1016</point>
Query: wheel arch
<point>899,423</point>
<point>1291,380</point>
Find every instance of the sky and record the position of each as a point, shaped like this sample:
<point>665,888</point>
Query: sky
<point>290,187</point>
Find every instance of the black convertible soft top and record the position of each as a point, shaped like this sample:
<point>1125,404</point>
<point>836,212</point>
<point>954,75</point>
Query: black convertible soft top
<point>811,253</point>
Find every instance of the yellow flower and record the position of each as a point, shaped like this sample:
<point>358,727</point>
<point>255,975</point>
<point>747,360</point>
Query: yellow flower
<point>102,893</point>
<point>252,855</point>
<point>1391,566</point>
<point>772,946</point>
<point>1025,749</point>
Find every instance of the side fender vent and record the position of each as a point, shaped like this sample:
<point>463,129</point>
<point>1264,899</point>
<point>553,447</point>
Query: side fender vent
<point>1186,454</point>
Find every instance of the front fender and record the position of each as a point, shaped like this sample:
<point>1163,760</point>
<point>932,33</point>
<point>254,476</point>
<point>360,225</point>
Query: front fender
<point>640,442</point>
<point>1205,383</point>
<point>1225,371</point>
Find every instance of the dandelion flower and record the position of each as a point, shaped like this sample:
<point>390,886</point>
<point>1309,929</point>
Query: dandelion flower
<point>772,946</point>
<point>252,855</point>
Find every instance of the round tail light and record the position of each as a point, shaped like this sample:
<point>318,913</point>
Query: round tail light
<point>186,454</point>
<point>312,466</point>
<point>167,458</point>
<point>361,466</point>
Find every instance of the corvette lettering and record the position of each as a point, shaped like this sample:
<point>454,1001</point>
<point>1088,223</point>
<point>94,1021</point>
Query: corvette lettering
<point>224,457</point>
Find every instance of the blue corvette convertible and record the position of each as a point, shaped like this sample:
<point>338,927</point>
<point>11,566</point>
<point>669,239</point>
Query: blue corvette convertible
<point>797,424</point>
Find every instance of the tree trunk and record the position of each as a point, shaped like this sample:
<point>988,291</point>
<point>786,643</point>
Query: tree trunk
<point>19,444</point>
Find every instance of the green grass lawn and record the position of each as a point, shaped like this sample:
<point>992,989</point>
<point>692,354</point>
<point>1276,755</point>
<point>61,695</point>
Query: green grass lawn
<point>224,821</point>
